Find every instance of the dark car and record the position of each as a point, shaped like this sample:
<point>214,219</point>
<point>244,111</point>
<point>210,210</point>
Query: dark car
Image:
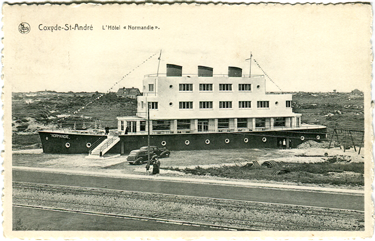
<point>141,156</point>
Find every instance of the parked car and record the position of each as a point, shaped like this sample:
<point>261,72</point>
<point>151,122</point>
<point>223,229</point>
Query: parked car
<point>141,156</point>
<point>161,152</point>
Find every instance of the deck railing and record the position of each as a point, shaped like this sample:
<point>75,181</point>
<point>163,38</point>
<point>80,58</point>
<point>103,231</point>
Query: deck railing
<point>196,75</point>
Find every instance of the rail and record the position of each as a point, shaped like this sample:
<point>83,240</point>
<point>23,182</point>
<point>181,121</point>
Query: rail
<point>96,143</point>
<point>108,143</point>
<point>196,75</point>
<point>70,131</point>
<point>242,129</point>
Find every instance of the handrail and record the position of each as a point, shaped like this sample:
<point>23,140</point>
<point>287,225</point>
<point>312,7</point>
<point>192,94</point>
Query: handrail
<point>96,143</point>
<point>108,143</point>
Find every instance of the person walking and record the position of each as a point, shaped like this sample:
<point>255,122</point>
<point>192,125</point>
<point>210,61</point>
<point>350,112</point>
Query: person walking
<point>156,166</point>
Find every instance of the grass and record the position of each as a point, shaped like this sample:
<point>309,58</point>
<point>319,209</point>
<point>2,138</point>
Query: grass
<point>33,111</point>
<point>338,173</point>
<point>20,141</point>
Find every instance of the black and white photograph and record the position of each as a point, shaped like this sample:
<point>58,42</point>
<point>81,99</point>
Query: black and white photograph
<point>252,119</point>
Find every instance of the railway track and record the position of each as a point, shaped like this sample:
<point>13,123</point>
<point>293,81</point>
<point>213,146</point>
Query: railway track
<point>139,218</point>
<point>215,213</point>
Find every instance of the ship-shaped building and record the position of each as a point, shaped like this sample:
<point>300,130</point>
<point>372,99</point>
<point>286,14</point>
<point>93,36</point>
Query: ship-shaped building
<point>196,112</point>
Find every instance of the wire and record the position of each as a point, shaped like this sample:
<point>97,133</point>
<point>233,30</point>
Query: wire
<point>123,77</point>
<point>267,75</point>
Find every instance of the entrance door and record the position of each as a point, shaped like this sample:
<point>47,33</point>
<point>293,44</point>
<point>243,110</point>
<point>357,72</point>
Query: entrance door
<point>202,125</point>
<point>282,143</point>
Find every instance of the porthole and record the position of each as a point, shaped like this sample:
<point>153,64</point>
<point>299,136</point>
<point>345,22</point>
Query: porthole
<point>302,138</point>
<point>207,141</point>
<point>246,140</point>
<point>187,142</point>
<point>258,86</point>
<point>163,143</point>
<point>227,140</point>
<point>276,103</point>
<point>171,86</point>
<point>88,144</point>
<point>67,145</point>
<point>170,103</point>
<point>264,139</point>
<point>318,137</point>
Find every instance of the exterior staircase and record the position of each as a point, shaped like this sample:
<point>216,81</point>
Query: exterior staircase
<point>105,146</point>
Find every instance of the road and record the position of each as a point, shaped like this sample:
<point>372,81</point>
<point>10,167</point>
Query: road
<point>256,194</point>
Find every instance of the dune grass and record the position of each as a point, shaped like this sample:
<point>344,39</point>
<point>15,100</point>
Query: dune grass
<point>339,173</point>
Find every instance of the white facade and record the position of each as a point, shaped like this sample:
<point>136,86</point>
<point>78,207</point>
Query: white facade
<point>192,104</point>
<point>166,92</point>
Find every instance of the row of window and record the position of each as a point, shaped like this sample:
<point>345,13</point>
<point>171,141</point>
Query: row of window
<point>223,123</point>
<point>222,104</point>
<point>207,87</point>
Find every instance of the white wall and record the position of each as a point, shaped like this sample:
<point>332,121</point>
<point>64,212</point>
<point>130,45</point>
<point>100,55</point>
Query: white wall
<point>167,91</point>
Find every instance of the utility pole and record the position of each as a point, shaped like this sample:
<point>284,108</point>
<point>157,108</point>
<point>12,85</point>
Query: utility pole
<point>148,133</point>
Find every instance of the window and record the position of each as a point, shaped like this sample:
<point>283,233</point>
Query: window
<point>205,87</point>
<point>183,124</point>
<point>142,104</point>
<point>244,87</point>
<point>225,104</point>
<point>122,125</point>
<point>225,87</point>
<point>280,121</point>
<point>153,105</point>
<point>186,105</point>
<point>205,104</point>
<point>223,123</point>
<point>263,104</point>
<point>186,87</point>
<point>288,103</point>
<point>241,123</point>
<point>131,126</point>
<point>160,125</point>
<point>150,87</point>
<point>244,104</point>
<point>142,126</point>
<point>260,122</point>
<point>203,125</point>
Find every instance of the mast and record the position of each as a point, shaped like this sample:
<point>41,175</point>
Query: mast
<point>251,55</point>
<point>157,72</point>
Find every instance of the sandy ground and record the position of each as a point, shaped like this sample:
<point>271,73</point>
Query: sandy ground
<point>181,159</point>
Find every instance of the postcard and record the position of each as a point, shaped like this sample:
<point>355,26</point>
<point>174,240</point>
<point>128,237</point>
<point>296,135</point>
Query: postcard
<point>187,120</point>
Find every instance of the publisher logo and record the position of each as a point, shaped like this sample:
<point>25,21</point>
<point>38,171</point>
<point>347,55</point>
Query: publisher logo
<point>24,28</point>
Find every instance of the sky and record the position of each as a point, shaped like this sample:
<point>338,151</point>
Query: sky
<point>302,48</point>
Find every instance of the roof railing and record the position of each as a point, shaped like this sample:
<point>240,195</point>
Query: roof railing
<point>196,75</point>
